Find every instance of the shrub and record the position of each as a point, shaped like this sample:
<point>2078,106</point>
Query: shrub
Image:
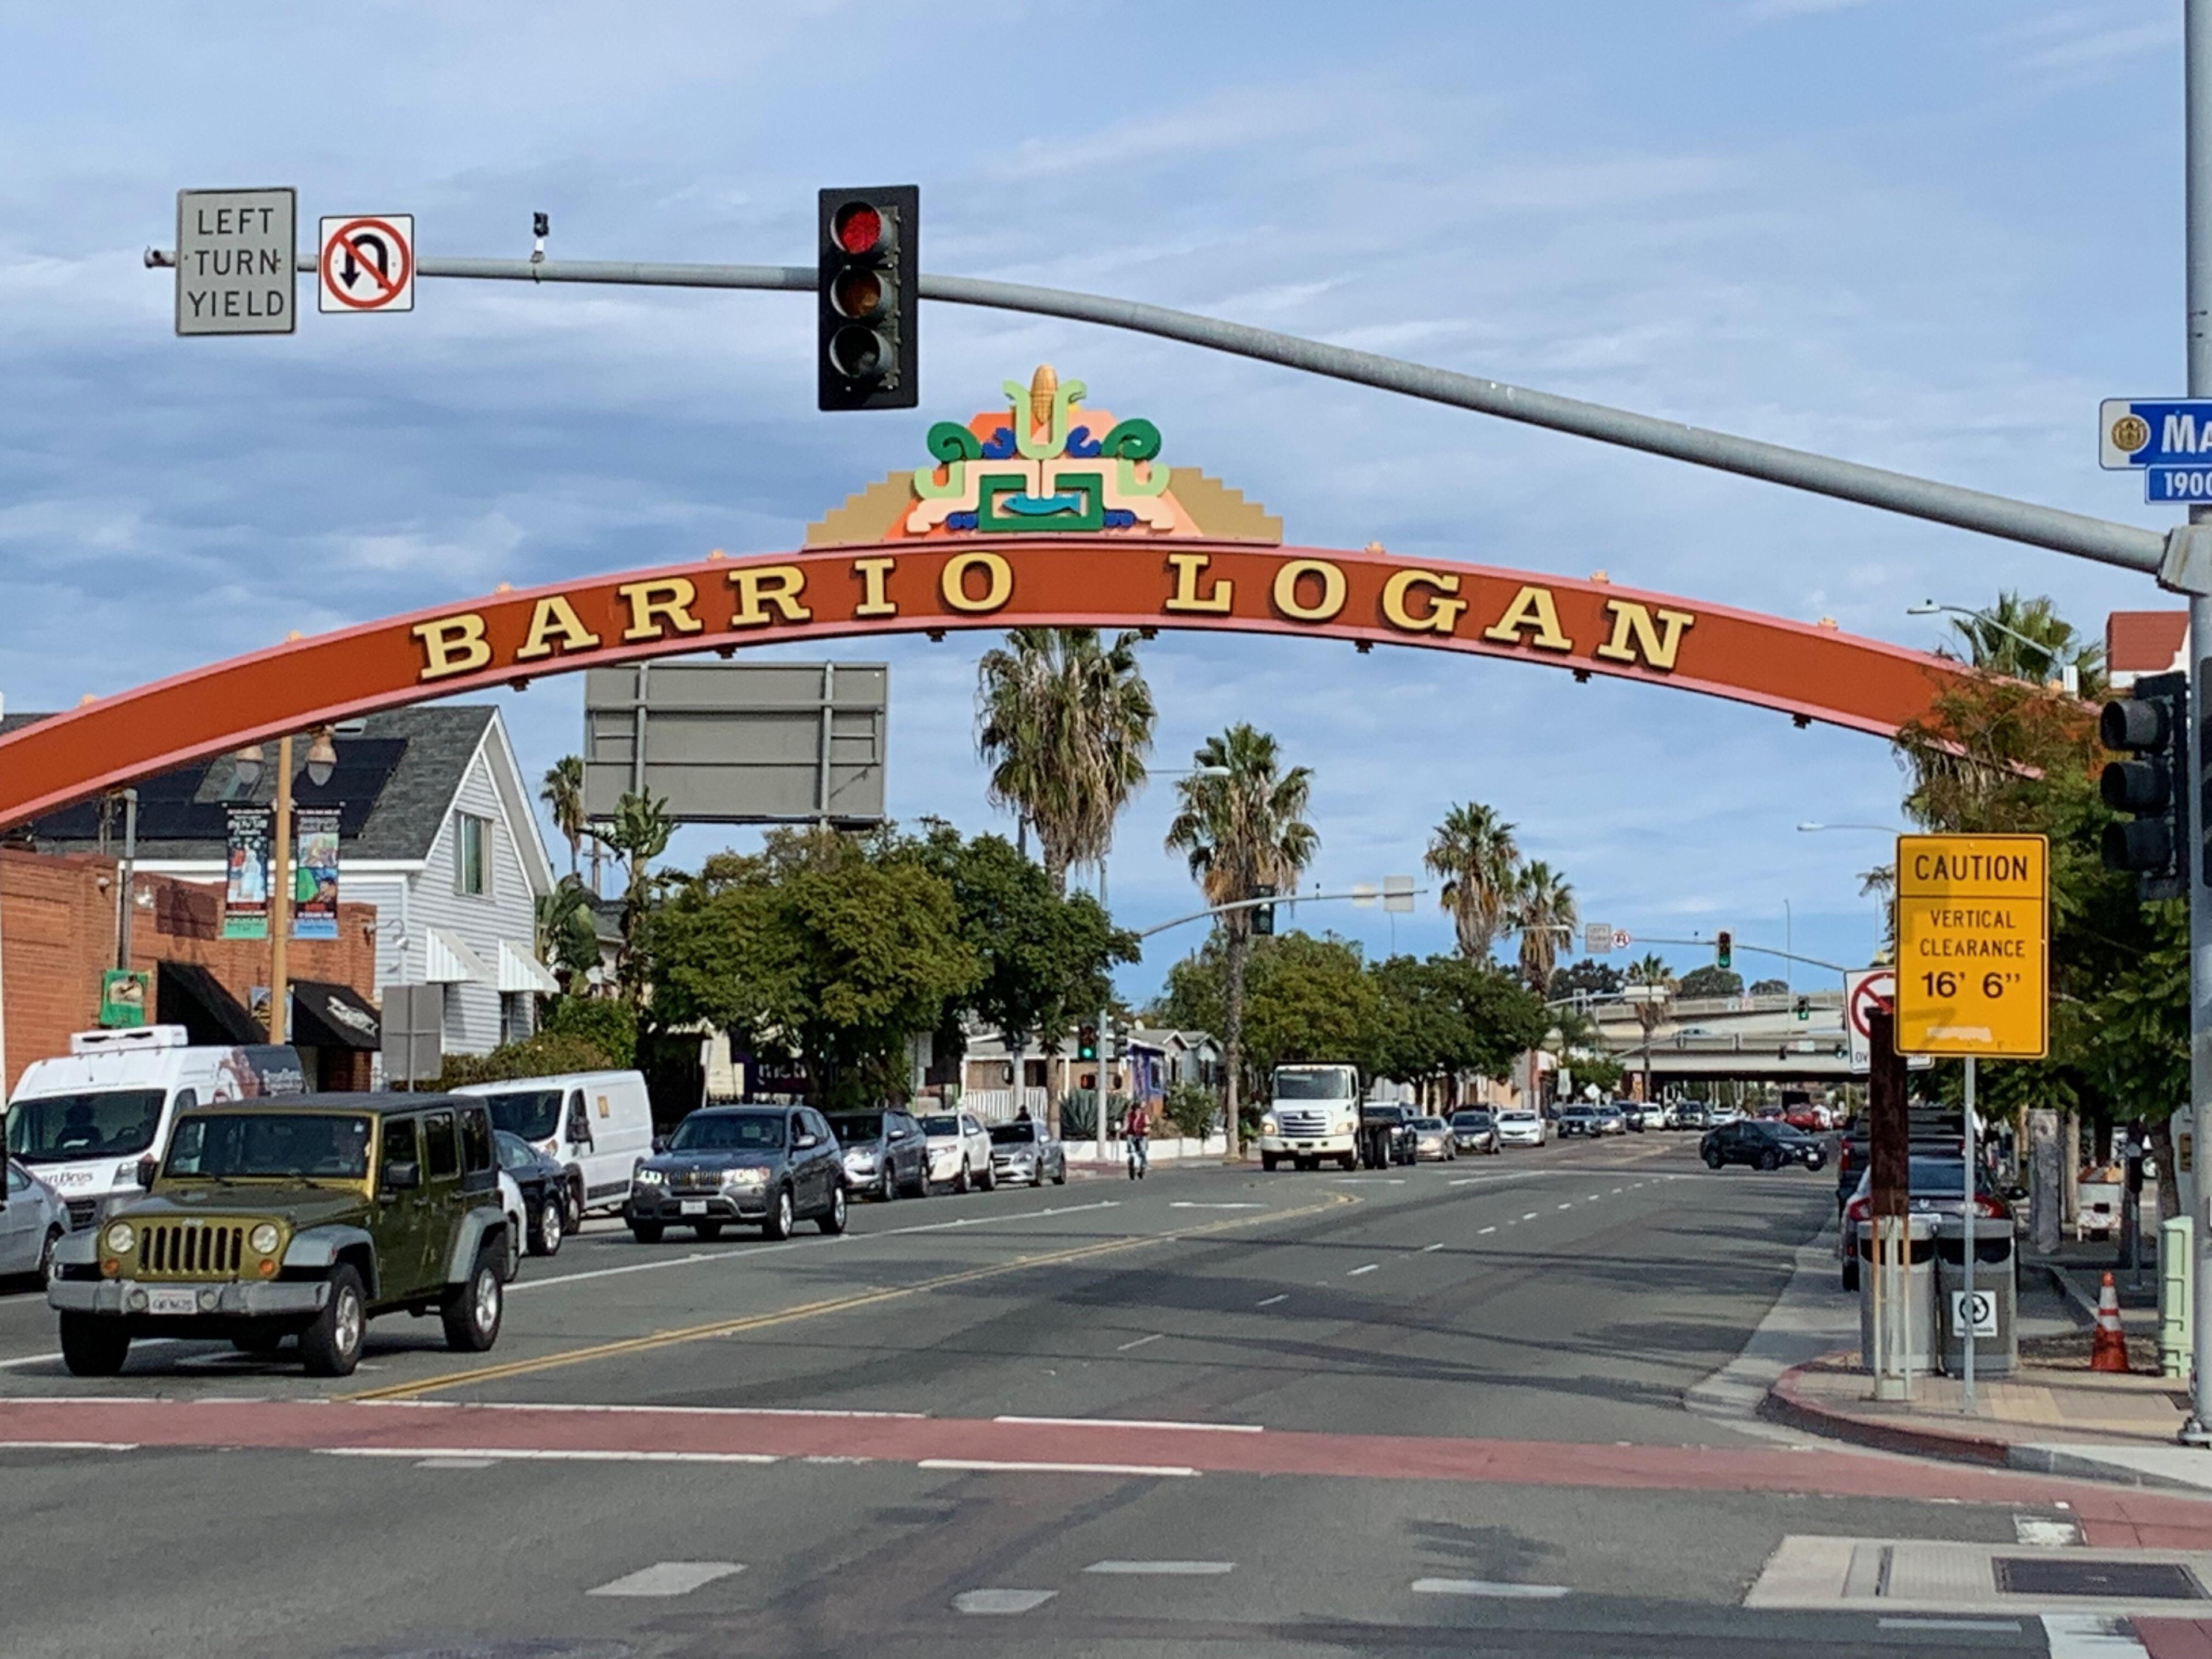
<point>546,1055</point>
<point>1191,1108</point>
<point>608,1025</point>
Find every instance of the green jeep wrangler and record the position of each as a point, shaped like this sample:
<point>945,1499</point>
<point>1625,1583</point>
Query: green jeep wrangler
<point>302,1216</point>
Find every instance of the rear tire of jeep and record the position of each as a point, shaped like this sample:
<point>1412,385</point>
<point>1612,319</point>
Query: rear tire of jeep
<point>331,1347</point>
<point>832,1220</point>
<point>94,1347</point>
<point>645,1232</point>
<point>472,1310</point>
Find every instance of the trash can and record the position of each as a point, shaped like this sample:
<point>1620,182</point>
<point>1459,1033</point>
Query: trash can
<point>1919,1292</point>
<point>1997,1296</point>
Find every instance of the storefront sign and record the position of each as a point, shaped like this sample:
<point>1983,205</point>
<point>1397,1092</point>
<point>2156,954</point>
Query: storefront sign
<point>315,882</point>
<point>124,995</point>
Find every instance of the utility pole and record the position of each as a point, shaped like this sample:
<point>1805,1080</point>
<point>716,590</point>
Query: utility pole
<point>2196,83</point>
<point>280,896</point>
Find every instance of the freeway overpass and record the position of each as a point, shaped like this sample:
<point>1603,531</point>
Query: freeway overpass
<point>1758,1039</point>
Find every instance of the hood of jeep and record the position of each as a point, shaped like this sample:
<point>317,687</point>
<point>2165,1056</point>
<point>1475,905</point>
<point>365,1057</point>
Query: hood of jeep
<point>298,1207</point>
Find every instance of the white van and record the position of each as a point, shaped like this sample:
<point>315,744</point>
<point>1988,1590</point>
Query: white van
<point>82,1122</point>
<point>599,1124</point>
<point>1312,1114</point>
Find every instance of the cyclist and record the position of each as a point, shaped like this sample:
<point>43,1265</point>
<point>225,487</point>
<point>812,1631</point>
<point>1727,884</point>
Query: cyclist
<point>1134,1131</point>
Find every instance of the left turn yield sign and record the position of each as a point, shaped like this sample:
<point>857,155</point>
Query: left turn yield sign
<point>366,263</point>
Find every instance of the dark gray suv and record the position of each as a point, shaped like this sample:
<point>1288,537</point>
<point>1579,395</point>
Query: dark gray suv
<point>773,1166</point>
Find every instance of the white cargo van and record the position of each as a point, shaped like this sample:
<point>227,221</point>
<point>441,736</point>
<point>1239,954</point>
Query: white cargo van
<point>1312,1114</point>
<point>82,1122</point>
<point>598,1124</point>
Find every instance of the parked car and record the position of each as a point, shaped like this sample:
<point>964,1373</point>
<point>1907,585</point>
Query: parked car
<point>1577,1120</point>
<point>959,1151</point>
<point>1806,1115</point>
<point>1934,1186</point>
<point>886,1154</point>
<point>1432,1137</point>
<point>33,1223</point>
<point>769,1166</point>
<point>1611,1120</point>
<point>1520,1125</point>
<point>596,1125</point>
<point>545,1190</point>
<point>1762,1144</point>
<point>1693,1114</point>
<point>303,1216</point>
<point>1473,1130</point>
<point>1025,1150</point>
<point>1386,1134</point>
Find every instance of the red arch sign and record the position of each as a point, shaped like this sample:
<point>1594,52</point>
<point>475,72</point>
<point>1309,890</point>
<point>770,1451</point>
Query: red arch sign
<point>934,585</point>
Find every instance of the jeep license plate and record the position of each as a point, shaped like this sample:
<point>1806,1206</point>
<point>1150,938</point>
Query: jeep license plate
<point>695,1206</point>
<point>171,1302</point>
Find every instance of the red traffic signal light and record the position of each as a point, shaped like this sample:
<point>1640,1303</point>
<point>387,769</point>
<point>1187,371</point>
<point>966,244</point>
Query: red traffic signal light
<point>864,299</point>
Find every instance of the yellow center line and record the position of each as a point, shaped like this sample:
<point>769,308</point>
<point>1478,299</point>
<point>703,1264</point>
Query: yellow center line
<point>869,1297</point>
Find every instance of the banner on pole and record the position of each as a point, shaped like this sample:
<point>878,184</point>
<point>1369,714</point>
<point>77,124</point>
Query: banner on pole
<point>245,888</point>
<point>315,885</point>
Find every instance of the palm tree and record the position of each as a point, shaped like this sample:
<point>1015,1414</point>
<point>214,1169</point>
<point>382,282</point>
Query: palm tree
<point>567,939</point>
<point>1065,720</point>
<point>1544,910</point>
<point>1657,984</point>
<point>1473,850</point>
<point>562,792</point>
<point>1243,828</point>
<point>1998,640</point>
<point>640,834</point>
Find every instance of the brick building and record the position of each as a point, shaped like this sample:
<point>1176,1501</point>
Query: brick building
<point>59,931</point>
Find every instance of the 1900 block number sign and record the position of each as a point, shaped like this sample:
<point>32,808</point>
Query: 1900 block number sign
<point>1973,945</point>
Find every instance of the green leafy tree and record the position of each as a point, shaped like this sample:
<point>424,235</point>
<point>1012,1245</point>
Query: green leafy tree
<point>1998,641</point>
<point>1240,819</point>
<point>608,1025</point>
<point>640,834</point>
<point>562,792</point>
<point>1449,1016</point>
<point>567,934</point>
<point>1065,720</point>
<point>1713,981</point>
<point>1588,977</point>
<point>1472,851</point>
<point>1770,987</point>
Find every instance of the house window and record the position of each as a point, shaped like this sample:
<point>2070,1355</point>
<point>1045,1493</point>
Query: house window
<point>514,1011</point>
<point>471,854</point>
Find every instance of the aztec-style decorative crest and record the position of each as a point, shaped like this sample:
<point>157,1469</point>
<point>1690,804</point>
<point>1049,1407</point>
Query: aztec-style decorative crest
<point>1043,465</point>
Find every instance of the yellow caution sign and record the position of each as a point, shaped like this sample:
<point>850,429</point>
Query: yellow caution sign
<point>1973,953</point>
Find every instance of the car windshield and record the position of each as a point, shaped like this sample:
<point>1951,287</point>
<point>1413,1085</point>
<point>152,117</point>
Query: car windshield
<point>1429,1123</point>
<point>314,1146</point>
<point>1323,1083</point>
<point>942,1124</point>
<point>851,1127</point>
<point>726,1132</point>
<point>1012,1134</point>
<point>99,1123</point>
<point>1470,1119</point>
<point>533,1113</point>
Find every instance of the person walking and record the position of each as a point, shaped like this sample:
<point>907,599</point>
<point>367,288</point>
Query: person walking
<point>1135,1128</point>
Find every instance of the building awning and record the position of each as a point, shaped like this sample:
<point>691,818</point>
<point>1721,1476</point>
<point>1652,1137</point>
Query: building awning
<point>447,961</point>
<point>188,995</point>
<point>520,970</point>
<point>327,1015</point>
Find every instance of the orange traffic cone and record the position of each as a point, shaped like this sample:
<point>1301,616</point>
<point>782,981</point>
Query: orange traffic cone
<point>2109,1352</point>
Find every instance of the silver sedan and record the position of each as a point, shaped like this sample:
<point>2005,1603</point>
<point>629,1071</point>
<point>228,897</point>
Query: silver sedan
<point>32,1223</point>
<point>1023,1151</point>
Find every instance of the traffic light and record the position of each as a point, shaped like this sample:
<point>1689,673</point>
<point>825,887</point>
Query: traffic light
<point>1724,949</point>
<point>1804,1008</point>
<point>866,300</point>
<point>2152,724</point>
<point>1263,915</point>
<point>1086,1043</point>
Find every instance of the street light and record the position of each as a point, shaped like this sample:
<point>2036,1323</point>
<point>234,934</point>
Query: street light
<point>2069,677</point>
<point>322,756</point>
<point>1879,829</point>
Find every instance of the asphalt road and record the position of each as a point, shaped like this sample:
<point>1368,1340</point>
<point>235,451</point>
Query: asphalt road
<point>1439,1410</point>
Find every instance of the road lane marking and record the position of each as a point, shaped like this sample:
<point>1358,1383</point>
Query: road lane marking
<point>1186,1204</point>
<point>1000,1600</point>
<point>870,1297</point>
<point>694,1256</point>
<point>1430,1249</point>
<point>456,1463</point>
<point>986,1466</point>
<point>1531,1215</point>
<point>1137,1423</point>
<point>563,1406</point>
<point>69,1445</point>
<point>1570,1205</point>
<point>1163,1568</point>
<point>1269,1302</point>
<point>1492,1230</point>
<point>1903,1621</point>
<point>1505,1592</point>
<point>547,1453</point>
<point>668,1578</point>
<point>1594,1198</point>
<point>1156,1335</point>
<point>1368,1268</point>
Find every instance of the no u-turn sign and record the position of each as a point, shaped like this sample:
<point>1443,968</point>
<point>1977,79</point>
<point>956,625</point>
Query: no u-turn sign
<point>366,263</point>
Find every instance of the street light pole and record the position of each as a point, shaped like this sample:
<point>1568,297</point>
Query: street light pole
<point>2068,677</point>
<point>2197,48</point>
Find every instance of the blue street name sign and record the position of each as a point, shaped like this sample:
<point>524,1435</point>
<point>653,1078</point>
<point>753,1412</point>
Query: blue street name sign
<point>2181,486</point>
<point>2167,440</point>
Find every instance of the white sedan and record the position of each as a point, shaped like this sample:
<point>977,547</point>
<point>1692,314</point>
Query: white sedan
<point>959,1151</point>
<point>1519,1127</point>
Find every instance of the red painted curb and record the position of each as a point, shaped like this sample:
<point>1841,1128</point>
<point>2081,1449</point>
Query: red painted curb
<point>1786,1404</point>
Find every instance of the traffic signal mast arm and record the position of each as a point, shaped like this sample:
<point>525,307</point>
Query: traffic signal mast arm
<point>2181,557</point>
<point>1368,894</point>
<point>1762,950</point>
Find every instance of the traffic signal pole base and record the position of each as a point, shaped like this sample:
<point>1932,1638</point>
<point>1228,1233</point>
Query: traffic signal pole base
<point>2194,1432</point>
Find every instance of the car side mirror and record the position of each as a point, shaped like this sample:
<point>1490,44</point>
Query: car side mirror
<point>402,1177</point>
<point>807,1143</point>
<point>145,1173</point>
<point>660,1144</point>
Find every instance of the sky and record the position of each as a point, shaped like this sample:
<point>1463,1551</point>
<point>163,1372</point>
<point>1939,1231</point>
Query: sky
<point>1925,237</point>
